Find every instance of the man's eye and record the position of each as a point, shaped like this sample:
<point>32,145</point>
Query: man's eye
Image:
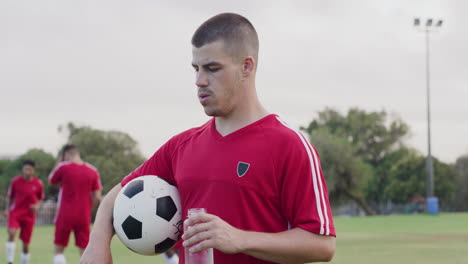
<point>213,69</point>
<point>195,69</point>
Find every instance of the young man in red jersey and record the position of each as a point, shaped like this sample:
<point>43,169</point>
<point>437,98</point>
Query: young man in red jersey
<point>24,198</point>
<point>80,190</point>
<point>260,181</point>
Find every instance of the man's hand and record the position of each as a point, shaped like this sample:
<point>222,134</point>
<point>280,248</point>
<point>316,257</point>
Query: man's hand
<point>35,207</point>
<point>209,231</point>
<point>6,213</point>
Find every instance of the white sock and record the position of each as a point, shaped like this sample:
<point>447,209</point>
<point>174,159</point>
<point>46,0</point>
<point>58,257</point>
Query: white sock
<point>25,258</point>
<point>10,251</point>
<point>171,260</point>
<point>60,259</point>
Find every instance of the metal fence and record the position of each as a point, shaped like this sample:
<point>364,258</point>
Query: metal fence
<point>45,215</point>
<point>389,208</point>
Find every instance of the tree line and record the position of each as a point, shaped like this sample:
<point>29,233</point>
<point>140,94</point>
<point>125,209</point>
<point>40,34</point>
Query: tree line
<point>364,159</point>
<point>114,153</point>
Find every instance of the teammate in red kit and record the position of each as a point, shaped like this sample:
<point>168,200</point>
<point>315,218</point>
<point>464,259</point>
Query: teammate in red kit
<point>80,189</point>
<point>24,198</point>
<point>260,181</point>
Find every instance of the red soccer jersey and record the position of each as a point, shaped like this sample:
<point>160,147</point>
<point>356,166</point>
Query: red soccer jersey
<point>77,181</point>
<point>264,177</point>
<point>24,194</point>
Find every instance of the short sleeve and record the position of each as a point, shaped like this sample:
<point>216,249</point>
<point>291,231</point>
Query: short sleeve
<point>160,164</point>
<point>40,190</point>
<point>56,175</point>
<point>97,182</point>
<point>11,189</point>
<point>304,194</point>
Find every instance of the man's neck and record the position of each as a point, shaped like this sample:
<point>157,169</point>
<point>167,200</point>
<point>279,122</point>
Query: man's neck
<point>28,177</point>
<point>77,160</point>
<point>239,119</point>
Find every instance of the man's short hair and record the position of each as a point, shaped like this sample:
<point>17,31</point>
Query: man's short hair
<point>239,35</point>
<point>69,148</point>
<point>29,162</point>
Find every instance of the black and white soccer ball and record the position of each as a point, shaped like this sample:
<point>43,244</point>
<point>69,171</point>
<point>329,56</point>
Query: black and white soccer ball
<point>147,215</point>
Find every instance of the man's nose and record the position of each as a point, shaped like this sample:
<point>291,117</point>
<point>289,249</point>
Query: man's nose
<point>201,79</point>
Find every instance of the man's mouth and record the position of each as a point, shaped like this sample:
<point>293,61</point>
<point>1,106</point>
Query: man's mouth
<point>203,97</point>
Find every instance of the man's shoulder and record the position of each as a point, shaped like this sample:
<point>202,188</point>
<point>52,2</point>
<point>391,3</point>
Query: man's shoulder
<point>63,164</point>
<point>37,180</point>
<point>17,178</point>
<point>189,133</point>
<point>284,140</point>
<point>90,166</point>
<point>279,131</point>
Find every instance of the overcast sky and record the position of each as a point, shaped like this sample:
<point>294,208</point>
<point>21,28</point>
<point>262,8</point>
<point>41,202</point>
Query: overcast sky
<point>126,65</point>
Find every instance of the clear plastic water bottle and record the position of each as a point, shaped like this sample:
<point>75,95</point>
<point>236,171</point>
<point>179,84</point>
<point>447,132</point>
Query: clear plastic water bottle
<point>204,256</point>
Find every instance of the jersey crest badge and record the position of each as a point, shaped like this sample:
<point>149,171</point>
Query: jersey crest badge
<point>242,168</point>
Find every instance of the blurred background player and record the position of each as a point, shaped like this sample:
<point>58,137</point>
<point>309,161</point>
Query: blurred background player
<point>80,190</point>
<point>24,198</point>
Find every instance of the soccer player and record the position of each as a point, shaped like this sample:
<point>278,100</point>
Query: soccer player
<point>260,181</point>
<point>24,198</point>
<point>80,189</point>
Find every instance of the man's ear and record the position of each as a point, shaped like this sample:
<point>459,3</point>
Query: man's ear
<point>248,66</point>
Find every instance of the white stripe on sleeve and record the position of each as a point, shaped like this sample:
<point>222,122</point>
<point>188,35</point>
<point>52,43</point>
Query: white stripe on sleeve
<point>317,183</point>
<point>52,173</point>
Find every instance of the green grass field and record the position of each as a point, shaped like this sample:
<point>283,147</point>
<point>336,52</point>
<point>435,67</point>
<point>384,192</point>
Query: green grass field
<point>415,239</point>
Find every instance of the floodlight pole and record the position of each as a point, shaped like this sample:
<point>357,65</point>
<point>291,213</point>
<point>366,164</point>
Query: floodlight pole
<point>428,28</point>
<point>429,166</point>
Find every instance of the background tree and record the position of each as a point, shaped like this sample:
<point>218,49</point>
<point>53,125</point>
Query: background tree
<point>115,154</point>
<point>44,164</point>
<point>371,137</point>
<point>396,172</point>
<point>461,183</point>
<point>3,178</point>
<point>347,175</point>
<point>377,192</point>
<point>370,133</point>
<point>3,165</point>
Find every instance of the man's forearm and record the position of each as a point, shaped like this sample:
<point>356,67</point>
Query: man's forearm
<point>103,229</point>
<point>8,201</point>
<point>96,197</point>
<point>292,246</point>
<point>98,250</point>
<point>38,204</point>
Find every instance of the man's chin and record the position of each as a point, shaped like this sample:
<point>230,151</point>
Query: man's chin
<point>209,111</point>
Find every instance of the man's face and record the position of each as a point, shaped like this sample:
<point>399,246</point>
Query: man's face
<point>67,156</point>
<point>28,170</point>
<point>218,79</point>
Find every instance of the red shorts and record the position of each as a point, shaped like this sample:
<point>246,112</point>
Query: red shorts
<point>24,222</point>
<point>63,230</point>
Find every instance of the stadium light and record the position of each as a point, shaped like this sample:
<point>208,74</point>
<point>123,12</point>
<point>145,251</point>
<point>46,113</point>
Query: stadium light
<point>417,22</point>
<point>427,28</point>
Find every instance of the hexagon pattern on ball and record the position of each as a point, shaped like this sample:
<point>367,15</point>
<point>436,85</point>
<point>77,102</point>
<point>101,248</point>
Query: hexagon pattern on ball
<point>132,228</point>
<point>134,188</point>
<point>164,246</point>
<point>147,215</point>
<point>165,208</point>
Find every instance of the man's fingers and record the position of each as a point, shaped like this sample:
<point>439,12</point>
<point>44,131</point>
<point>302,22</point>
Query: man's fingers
<point>197,238</point>
<point>197,218</point>
<point>205,244</point>
<point>194,229</point>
